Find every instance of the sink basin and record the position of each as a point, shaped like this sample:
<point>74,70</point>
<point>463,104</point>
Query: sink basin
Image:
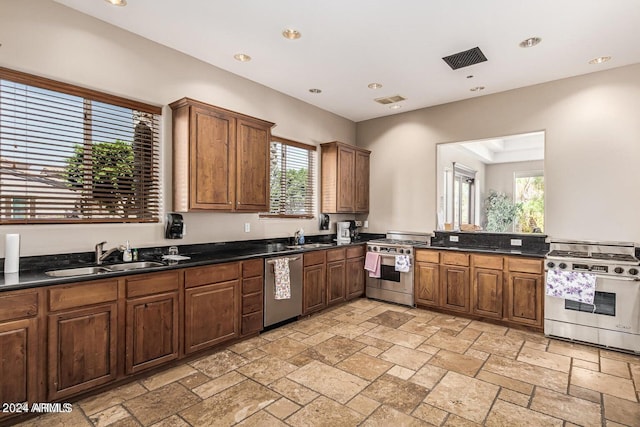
<point>309,245</point>
<point>133,265</point>
<point>81,271</point>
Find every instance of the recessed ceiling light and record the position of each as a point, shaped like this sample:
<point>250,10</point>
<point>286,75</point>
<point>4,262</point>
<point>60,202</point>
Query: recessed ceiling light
<point>374,85</point>
<point>477,88</point>
<point>600,60</point>
<point>314,90</point>
<point>291,34</point>
<point>242,57</point>
<point>530,42</point>
<point>117,2</point>
<point>395,107</point>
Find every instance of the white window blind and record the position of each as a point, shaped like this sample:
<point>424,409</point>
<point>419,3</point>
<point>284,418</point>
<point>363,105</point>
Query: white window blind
<point>292,178</point>
<point>69,154</point>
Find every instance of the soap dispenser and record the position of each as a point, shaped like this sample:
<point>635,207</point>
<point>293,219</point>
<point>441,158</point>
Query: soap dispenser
<point>126,255</point>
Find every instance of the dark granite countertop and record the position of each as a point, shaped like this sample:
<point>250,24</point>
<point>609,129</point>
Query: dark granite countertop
<point>32,269</point>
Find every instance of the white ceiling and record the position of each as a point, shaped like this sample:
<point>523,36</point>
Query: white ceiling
<point>514,148</point>
<point>347,44</point>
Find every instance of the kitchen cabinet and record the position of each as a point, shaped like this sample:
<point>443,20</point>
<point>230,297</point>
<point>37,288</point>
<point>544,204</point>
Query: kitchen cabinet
<point>212,305</point>
<point>151,325</point>
<point>508,289</point>
<point>314,291</point>
<point>454,281</point>
<point>336,275</point>
<point>344,178</point>
<point>355,272</point>
<point>486,290</point>
<point>20,348</point>
<point>82,332</point>
<point>220,159</point>
<point>252,296</point>
<point>427,278</point>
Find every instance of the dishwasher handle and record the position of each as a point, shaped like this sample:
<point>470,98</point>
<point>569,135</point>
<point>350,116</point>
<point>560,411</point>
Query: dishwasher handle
<point>273,261</point>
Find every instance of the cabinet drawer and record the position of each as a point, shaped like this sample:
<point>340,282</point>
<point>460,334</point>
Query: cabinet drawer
<point>150,284</point>
<point>79,295</point>
<point>252,303</point>
<point>487,261</point>
<point>252,268</point>
<point>524,265</point>
<point>252,323</point>
<point>211,274</point>
<point>250,286</point>
<point>355,251</point>
<point>313,258</point>
<point>428,256</point>
<point>336,254</point>
<point>18,305</point>
<point>455,258</point>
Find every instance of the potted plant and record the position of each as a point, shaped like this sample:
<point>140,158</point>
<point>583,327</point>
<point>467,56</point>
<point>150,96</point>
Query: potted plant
<point>501,212</point>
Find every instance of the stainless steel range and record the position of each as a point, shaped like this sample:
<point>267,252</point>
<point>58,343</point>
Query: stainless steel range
<point>613,320</point>
<point>395,253</point>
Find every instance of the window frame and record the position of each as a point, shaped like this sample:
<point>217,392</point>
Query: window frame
<point>312,149</point>
<point>90,96</point>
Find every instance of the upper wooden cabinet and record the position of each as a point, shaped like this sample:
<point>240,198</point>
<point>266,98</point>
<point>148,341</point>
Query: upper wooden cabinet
<point>345,178</point>
<point>220,159</point>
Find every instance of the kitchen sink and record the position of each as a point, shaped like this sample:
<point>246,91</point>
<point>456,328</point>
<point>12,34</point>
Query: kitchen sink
<point>309,245</point>
<point>86,271</point>
<point>133,266</point>
<point>81,271</point>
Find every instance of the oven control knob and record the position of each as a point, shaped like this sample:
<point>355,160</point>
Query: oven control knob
<point>408,251</point>
<point>562,265</point>
<point>401,251</point>
<point>633,271</point>
<point>619,270</point>
<point>551,264</point>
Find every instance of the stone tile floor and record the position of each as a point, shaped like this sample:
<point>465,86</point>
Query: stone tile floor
<point>375,364</point>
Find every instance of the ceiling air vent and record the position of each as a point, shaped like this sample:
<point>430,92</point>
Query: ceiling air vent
<point>464,59</point>
<point>390,99</point>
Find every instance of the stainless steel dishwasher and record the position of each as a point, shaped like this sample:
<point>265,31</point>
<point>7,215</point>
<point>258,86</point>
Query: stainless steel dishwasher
<point>278,310</point>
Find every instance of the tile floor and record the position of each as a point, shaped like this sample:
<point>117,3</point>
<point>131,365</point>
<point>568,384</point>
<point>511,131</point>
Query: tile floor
<point>374,364</point>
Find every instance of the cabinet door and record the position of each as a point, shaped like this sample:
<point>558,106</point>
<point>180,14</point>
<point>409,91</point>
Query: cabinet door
<point>212,160</point>
<point>362,182</point>
<point>151,331</point>
<point>345,181</point>
<point>524,298</point>
<point>82,349</point>
<point>212,315</point>
<point>427,284</point>
<point>454,286</point>
<point>487,292</point>
<point>336,274</point>
<point>252,171</point>
<point>314,289</point>
<point>20,361</point>
<point>355,277</point>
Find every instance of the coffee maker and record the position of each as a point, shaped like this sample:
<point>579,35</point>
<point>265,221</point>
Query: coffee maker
<point>343,232</point>
<point>354,232</point>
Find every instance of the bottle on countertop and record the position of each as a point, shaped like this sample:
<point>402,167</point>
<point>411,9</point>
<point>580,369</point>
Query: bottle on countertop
<point>134,254</point>
<point>126,255</point>
<point>300,237</point>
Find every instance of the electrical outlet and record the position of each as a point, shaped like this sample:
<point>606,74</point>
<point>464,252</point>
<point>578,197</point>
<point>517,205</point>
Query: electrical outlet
<point>247,227</point>
<point>453,238</point>
<point>358,223</point>
<point>516,242</point>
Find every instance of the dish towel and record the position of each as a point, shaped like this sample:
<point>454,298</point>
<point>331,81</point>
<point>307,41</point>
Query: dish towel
<point>403,263</point>
<point>283,279</point>
<point>572,285</point>
<point>372,264</point>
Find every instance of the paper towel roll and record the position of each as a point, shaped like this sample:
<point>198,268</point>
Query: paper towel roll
<point>12,253</point>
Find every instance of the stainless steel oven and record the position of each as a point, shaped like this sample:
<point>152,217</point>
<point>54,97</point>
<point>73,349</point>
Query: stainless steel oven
<point>613,320</point>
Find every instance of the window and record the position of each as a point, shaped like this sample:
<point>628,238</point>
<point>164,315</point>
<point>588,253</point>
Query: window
<point>292,177</point>
<point>529,191</point>
<point>74,155</point>
<point>460,195</point>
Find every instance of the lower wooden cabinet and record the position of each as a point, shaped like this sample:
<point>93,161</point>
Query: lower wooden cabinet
<point>314,288</point>
<point>336,275</point>
<point>82,332</point>
<point>355,272</point>
<point>487,292</point>
<point>152,320</point>
<point>454,288</point>
<point>20,348</point>
<point>427,278</point>
<point>252,296</point>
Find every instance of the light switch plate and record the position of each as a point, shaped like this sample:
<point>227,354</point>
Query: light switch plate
<point>453,238</point>
<point>516,242</point>
<point>247,227</point>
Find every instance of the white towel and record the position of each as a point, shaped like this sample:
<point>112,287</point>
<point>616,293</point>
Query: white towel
<point>283,279</point>
<point>403,263</point>
<point>372,264</point>
<point>572,285</point>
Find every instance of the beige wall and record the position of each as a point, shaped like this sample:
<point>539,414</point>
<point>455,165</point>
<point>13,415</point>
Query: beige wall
<point>592,153</point>
<point>50,40</point>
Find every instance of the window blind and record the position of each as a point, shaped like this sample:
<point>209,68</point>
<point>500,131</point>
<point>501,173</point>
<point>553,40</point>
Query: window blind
<point>73,155</point>
<point>292,179</point>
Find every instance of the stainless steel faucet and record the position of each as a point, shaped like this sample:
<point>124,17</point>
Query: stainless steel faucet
<point>101,255</point>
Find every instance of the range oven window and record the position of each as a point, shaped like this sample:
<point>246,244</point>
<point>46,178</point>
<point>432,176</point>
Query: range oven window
<point>389,273</point>
<point>603,303</point>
